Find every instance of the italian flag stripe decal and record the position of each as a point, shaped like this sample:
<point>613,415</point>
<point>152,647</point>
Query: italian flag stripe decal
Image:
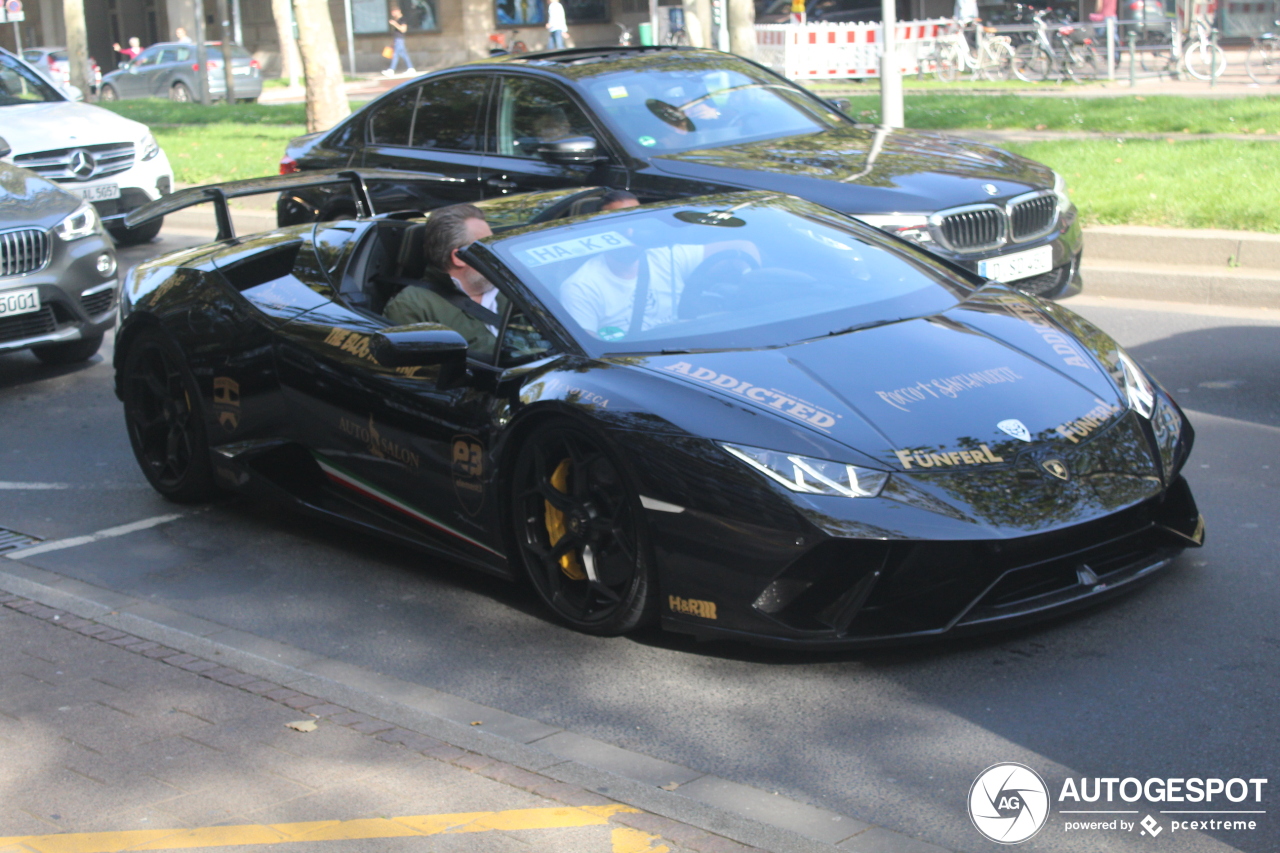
<point>365,489</point>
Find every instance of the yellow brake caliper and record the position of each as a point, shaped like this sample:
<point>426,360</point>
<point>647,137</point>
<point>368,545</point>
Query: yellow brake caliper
<point>555,523</point>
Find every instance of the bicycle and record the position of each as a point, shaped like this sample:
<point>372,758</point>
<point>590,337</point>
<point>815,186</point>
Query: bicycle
<point>1060,56</point>
<point>1201,54</point>
<point>1263,61</point>
<point>992,60</point>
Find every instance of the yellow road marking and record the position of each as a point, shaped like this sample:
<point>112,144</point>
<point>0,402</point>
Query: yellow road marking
<point>628,840</point>
<point>320,830</point>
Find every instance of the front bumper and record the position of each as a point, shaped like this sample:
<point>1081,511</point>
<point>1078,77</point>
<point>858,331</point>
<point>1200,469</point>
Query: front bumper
<point>76,301</point>
<point>144,182</point>
<point>1063,280</point>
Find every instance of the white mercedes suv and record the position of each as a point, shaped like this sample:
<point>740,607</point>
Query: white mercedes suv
<point>90,152</point>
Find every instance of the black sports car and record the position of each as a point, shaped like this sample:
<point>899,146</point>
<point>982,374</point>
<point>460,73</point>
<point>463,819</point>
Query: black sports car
<point>788,427</point>
<point>677,122</point>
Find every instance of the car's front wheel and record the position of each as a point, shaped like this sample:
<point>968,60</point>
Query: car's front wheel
<point>144,233</point>
<point>109,93</point>
<point>180,93</point>
<point>163,416</point>
<point>579,531</point>
<point>68,352</point>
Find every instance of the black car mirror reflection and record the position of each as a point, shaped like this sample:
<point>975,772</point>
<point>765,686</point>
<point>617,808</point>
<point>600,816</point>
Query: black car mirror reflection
<point>422,345</point>
<point>574,150</point>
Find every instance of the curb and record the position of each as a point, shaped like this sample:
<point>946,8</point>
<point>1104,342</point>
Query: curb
<point>449,728</point>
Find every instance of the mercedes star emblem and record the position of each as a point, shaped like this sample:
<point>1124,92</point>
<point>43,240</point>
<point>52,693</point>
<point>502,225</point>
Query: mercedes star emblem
<point>81,164</point>
<point>1015,428</point>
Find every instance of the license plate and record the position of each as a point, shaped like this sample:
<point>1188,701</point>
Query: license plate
<point>99,192</point>
<point>19,301</point>
<point>247,69</point>
<point>1017,265</point>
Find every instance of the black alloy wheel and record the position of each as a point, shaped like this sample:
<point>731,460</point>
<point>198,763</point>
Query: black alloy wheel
<point>164,419</point>
<point>580,532</point>
<point>137,235</point>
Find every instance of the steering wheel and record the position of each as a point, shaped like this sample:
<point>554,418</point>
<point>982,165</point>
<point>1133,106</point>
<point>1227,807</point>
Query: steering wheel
<point>714,283</point>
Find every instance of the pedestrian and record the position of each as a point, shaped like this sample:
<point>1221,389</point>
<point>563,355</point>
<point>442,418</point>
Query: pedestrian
<point>180,35</point>
<point>398,51</point>
<point>131,52</point>
<point>556,25</point>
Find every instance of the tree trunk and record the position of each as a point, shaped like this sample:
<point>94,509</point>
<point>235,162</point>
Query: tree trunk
<point>290,61</point>
<point>78,47</point>
<point>228,65</point>
<point>742,28</point>
<point>326,98</point>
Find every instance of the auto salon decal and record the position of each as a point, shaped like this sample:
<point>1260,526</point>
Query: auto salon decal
<point>1091,421</point>
<point>226,402</point>
<point>692,607</point>
<point>358,345</point>
<point>468,472</point>
<point>946,458</point>
<point>946,387</point>
<point>1010,803</point>
<point>1069,352</point>
<point>794,407</point>
<point>377,444</point>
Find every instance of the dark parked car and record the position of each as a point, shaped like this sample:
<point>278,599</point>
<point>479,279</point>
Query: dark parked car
<point>670,122</point>
<point>790,427</point>
<point>57,270</point>
<point>168,70</point>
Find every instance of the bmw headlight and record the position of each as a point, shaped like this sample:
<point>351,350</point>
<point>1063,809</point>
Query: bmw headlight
<point>911,226</point>
<point>149,147</point>
<point>1060,190</point>
<point>1137,387</point>
<point>82,223</point>
<point>811,476</point>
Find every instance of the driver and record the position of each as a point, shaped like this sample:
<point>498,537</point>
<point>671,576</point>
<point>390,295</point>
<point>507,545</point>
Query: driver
<point>601,294</point>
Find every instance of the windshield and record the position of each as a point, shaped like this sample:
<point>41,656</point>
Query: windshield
<point>20,85</point>
<point>698,104</point>
<point>737,271</point>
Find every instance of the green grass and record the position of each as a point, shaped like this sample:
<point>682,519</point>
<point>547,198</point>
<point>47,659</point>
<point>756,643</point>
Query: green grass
<point>155,112</point>
<point>1121,114</point>
<point>1186,184</point>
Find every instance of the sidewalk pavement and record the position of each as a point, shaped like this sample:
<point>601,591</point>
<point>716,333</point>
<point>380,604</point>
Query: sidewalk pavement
<point>111,742</point>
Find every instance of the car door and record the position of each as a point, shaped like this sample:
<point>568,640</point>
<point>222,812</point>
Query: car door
<point>385,437</point>
<point>135,81</point>
<point>528,112</point>
<point>435,126</point>
<point>172,59</point>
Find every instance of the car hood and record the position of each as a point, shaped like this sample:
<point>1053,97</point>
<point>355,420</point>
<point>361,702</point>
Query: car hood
<point>865,170</point>
<point>28,199</point>
<point>924,393</point>
<point>63,124</point>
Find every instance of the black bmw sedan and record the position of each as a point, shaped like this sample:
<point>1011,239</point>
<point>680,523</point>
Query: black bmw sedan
<point>671,123</point>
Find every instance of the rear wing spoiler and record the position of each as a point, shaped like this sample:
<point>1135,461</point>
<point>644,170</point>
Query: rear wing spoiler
<point>221,194</point>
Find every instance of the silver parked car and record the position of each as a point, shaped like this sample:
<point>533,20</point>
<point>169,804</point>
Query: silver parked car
<point>168,70</point>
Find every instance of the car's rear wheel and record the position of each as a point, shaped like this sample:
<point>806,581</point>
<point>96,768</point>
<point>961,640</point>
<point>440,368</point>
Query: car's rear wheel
<point>579,531</point>
<point>144,233</point>
<point>163,415</point>
<point>180,93</point>
<point>109,93</point>
<point>68,352</point>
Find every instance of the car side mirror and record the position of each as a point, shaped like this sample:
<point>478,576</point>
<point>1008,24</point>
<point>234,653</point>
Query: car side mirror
<point>573,151</point>
<point>421,345</point>
<point>5,148</point>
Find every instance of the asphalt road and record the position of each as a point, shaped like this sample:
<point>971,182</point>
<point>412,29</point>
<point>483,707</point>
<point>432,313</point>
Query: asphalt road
<point>1177,680</point>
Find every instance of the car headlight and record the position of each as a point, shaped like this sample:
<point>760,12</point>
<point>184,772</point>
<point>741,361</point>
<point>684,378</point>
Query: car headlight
<point>911,226</point>
<point>1166,423</point>
<point>82,223</point>
<point>1142,396</point>
<point>811,476</point>
<point>149,147</point>
<point>1060,190</point>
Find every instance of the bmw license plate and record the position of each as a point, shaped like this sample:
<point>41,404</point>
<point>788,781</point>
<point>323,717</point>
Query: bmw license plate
<point>101,192</point>
<point>1017,265</point>
<point>19,301</point>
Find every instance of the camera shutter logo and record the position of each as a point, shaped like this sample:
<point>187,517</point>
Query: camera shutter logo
<point>1008,803</point>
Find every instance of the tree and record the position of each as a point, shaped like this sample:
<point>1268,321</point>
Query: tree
<point>77,46</point>
<point>326,97</point>
<point>742,27</point>
<point>290,61</point>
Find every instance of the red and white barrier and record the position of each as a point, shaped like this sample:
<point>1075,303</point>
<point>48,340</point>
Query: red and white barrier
<point>832,51</point>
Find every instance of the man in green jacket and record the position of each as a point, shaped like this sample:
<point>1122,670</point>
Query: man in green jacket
<point>448,230</point>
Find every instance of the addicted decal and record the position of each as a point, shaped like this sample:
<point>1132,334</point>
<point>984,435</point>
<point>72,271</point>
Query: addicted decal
<point>946,458</point>
<point>1069,352</point>
<point>794,407</point>
<point>948,387</point>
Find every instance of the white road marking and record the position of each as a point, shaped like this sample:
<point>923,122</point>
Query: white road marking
<point>59,544</point>
<point>4,486</point>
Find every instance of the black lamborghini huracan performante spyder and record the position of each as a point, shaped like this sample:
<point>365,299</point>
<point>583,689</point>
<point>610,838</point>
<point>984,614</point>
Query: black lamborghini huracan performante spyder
<point>780,425</point>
